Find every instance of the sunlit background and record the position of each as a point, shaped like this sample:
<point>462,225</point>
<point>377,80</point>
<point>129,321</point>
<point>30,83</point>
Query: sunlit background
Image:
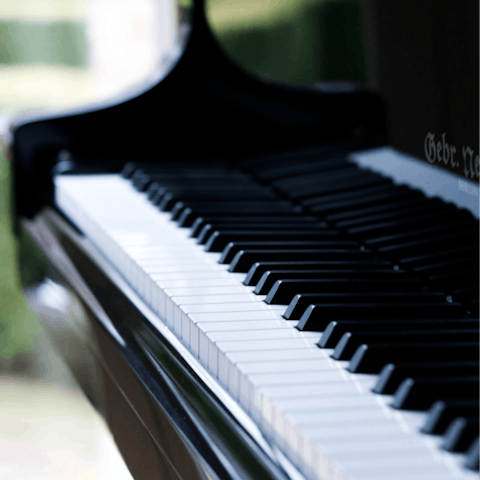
<point>56,53</point>
<point>60,53</point>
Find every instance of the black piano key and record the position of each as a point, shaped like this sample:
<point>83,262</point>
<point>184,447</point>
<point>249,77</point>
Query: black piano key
<point>220,239</point>
<point>392,375</point>
<point>128,170</point>
<point>157,192</point>
<point>338,186</point>
<point>299,181</point>
<point>335,329</point>
<point>467,277</point>
<point>170,198</point>
<point>378,209</point>
<point>189,215</point>
<point>404,225</point>
<point>472,456</point>
<point>473,307</point>
<point>446,267</point>
<point>247,206</point>
<point>289,220</point>
<point>443,412</point>
<point>346,205</point>
<point>316,317</point>
<point>209,228</point>
<point>259,268</point>
<point>312,165</point>
<point>192,178</point>
<point>233,248</point>
<point>359,193</point>
<point>427,244</point>
<point>350,341</point>
<point>166,167</point>
<point>178,166</point>
<point>301,302</point>
<point>286,158</point>
<point>283,291</point>
<point>269,278</point>
<point>392,214</point>
<point>450,234</point>
<point>421,393</point>
<point>461,433</point>
<point>434,258</point>
<point>243,260</point>
<point>142,181</point>
<point>464,294</point>
<point>372,358</point>
<point>190,171</point>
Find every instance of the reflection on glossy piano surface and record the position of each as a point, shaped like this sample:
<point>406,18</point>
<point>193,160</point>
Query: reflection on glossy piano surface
<point>296,298</point>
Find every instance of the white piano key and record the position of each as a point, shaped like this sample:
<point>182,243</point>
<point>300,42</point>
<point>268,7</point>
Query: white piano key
<point>251,385</point>
<point>336,415</point>
<point>150,267</point>
<point>208,340</point>
<point>424,471</point>
<point>324,416</point>
<point>204,290</point>
<point>193,283</point>
<point>261,345</point>
<point>152,264</point>
<point>196,268</point>
<point>249,306</point>
<point>159,250</point>
<point>328,433</point>
<point>310,403</point>
<point>243,325</point>
<point>228,363</point>
<point>243,298</point>
<point>317,389</point>
<point>415,458</point>
<point>239,316</point>
<point>291,378</point>
<point>269,356</point>
<point>273,332</point>
<point>194,277</point>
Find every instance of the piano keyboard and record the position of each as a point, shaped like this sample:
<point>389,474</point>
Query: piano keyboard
<point>255,279</point>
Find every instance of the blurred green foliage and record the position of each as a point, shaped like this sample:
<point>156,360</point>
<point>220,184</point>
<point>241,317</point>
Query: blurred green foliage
<point>18,325</point>
<point>49,43</point>
<point>298,41</point>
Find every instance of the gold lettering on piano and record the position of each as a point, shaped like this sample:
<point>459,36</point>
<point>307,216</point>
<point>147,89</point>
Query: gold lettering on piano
<point>441,152</point>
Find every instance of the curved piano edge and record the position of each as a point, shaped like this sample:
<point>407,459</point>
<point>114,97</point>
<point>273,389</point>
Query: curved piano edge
<point>139,376</point>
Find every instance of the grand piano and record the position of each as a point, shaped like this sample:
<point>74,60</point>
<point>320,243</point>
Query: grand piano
<point>295,298</point>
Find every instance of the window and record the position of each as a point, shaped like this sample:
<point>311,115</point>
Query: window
<point>56,53</point>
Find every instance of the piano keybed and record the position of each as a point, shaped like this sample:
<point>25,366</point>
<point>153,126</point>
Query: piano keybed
<point>338,309</point>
